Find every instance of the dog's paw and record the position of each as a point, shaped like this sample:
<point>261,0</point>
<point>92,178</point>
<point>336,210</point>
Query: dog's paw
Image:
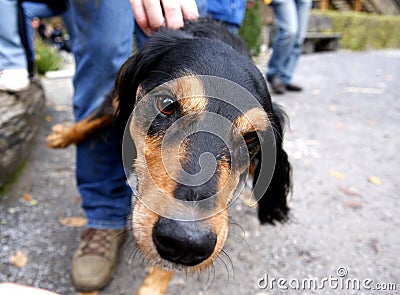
<point>60,136</point>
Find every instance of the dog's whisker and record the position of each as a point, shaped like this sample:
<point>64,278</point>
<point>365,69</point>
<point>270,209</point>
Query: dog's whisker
<point>226,254</point>
<point>213,273</point>
<point>132,255</point>
<point>221,262</point>
<point>129,242</point>
<point>234,225</point>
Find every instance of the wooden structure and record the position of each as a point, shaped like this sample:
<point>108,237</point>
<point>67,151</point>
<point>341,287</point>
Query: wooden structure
<point>369,6</point>
<point>319,36</point>
<point>344,5</point>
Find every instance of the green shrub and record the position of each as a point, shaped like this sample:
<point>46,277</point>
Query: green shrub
<point>363,31</point>
<point>250,30</point>
<point>47,57</point>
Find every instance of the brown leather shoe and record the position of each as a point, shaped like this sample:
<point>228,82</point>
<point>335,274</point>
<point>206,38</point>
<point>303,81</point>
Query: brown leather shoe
<point>293,87</point>
<point>95,260</point>
<point>277,85</point>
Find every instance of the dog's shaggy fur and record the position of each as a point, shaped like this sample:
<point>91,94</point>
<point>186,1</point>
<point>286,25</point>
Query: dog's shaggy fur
<point>166,85</point>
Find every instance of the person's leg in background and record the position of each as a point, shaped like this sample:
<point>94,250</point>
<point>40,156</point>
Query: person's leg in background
<point>102,43</point>
<point>69,23</point>
<point>31,9</point>
<point>141,37</point>
<point>13,65</point>
<point>303,12</point>
<point>229,12</point>
<point>285,13</point>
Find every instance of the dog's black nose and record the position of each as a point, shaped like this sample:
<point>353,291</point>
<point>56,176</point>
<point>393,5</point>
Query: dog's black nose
<point>183,242</point>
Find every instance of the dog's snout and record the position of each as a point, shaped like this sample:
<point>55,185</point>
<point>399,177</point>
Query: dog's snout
<point>183,242</point>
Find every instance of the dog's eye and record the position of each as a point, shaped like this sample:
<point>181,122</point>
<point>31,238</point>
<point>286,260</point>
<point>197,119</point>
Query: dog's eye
<point>250,137</point>
<point>166,105</point>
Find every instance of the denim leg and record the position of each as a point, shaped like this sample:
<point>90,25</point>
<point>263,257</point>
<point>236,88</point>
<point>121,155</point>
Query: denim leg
<point>69,23</point>
<point>303,12</point>
<point>141,37</point>
<point>12,53</point>
<point>30,11</point>
<point>286,16</point>
<point>234,29</point>
<point>102,43</point>
<point>202,6</point>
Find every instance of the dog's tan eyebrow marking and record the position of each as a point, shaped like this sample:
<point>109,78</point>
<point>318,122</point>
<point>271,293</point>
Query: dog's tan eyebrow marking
<point>156,164</point>
<point>224,180</point>
<point>252,120</point>
<point>190,93</point>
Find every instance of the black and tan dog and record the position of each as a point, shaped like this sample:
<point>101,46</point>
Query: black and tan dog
<point>199,112</point>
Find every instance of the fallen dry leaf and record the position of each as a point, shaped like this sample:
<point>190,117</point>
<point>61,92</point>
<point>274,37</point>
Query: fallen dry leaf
<point>349,192</point>
<point>48,118</point>
<point>373,243</point>
<point>78,200</point>
<point>375,180</point>
<point>73,221</point>
<point>19,259</point>
<point>89,293</point>
<point>62,108</point>
<point>337,174</point>
<point>28,198</point>
<point>353,204</point>
<point>365,90</point>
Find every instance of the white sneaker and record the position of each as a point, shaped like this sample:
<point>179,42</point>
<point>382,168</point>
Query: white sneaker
<point>14,80</point>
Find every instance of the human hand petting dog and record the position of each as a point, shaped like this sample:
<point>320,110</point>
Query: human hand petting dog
<point>150,15</point>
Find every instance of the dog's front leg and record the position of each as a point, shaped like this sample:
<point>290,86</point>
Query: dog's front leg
<point>156,281</point>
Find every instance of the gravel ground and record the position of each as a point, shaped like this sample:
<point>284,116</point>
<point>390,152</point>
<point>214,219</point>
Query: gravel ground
<point>344,129</point>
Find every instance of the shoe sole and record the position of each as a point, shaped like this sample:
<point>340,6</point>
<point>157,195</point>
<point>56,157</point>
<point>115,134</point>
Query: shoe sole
<point>99,287</point>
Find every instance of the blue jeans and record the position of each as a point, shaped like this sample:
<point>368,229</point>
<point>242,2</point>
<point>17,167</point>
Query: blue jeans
<point>12,53</point>
<point>31,10</point>
<point>102,43</point>
<point>292,18</point>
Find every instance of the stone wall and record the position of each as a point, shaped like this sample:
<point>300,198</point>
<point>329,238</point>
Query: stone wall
<point>20,118</point>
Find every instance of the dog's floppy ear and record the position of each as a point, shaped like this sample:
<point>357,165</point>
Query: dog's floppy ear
<point>137,68</point>
<point>272,204</point>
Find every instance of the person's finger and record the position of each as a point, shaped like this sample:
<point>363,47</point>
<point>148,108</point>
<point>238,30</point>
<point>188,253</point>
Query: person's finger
<point>154,14</point>
<point>189,9</point>
<point>173,14</point>
<point>150,15</point>
<point>140,15</point>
